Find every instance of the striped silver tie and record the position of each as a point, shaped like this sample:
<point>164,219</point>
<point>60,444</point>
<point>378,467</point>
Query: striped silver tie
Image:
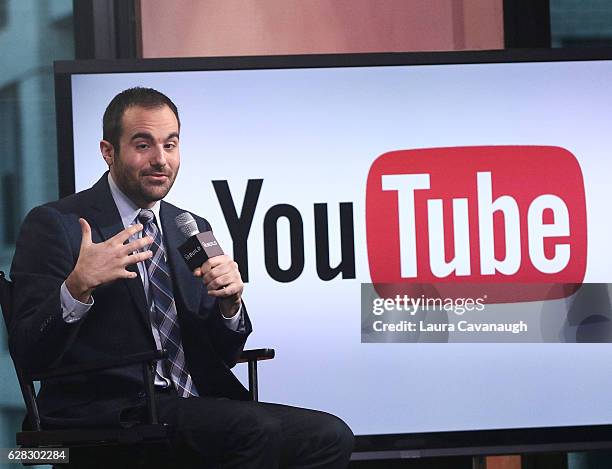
<point>164,307</point>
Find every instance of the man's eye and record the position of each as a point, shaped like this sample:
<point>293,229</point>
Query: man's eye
<point>170,146</point>
<point>142,146</point>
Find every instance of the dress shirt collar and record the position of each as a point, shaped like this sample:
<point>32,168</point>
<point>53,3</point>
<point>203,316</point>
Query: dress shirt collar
<point>128,210</point>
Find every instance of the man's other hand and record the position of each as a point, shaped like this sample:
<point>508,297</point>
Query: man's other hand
<point>104,262</point>
<point>223,281</point>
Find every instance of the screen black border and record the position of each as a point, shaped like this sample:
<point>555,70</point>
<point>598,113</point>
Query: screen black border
<point>443,443</point>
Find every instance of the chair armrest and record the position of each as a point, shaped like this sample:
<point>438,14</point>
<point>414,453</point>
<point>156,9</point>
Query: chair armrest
<point>100,365</point>
<point>256,355</point>
<point>252,357</point>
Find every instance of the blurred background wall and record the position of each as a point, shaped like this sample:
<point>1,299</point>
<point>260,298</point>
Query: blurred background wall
<point>252,27</point>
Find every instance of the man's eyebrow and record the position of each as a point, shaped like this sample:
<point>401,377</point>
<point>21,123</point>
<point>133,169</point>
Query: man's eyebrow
<point>148,136</point>
<point>143,135</point>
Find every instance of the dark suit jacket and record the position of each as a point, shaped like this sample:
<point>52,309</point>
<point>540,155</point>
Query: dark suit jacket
<point>117,324</point>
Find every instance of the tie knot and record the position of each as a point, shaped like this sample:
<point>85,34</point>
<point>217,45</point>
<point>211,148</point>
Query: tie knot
<point>146,216</point>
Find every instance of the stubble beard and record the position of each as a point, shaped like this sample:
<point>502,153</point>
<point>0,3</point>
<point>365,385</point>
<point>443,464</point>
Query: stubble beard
<point>143,193</point>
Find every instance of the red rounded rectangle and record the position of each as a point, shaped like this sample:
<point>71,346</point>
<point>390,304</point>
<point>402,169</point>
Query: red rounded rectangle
<point>483,214</point>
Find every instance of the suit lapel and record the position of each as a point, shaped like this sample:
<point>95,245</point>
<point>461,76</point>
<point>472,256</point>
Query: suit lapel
<point>104,216</point>
<point>185,284</point>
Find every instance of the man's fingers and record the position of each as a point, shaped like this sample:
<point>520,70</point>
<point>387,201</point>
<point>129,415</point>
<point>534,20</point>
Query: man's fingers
<point>213,262</point>
<point>222,281</point>
<point>138,257</point>
<point>218,293</point>
<point>217,271</point>
<point>222,265</point>
<point>85,232</point>
<point>136,245</point>
<point>127,274</point>
<point>125,234</point>
<point>224,292</point>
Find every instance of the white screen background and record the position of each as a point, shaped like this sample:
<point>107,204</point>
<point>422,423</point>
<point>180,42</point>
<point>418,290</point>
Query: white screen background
<point>312,135</point>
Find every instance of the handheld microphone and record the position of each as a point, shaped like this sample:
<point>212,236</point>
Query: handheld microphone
<point>199,247</point>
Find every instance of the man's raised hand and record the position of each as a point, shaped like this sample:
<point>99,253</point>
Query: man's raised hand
<point>104,262</point>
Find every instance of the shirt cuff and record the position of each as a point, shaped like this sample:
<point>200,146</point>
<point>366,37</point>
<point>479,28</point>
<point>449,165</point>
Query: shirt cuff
<point>236,322</point>
<point>73,310</point>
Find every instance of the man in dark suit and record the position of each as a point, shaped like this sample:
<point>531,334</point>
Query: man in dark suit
<point>98,275</point>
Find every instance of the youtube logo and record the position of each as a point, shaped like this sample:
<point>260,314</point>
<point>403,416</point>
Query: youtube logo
<point>498,215</point>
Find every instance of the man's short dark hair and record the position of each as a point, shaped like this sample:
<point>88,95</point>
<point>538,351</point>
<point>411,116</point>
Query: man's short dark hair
<point>137,96</point>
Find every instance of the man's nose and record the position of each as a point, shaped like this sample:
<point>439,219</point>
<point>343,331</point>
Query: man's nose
<point>158,157</point>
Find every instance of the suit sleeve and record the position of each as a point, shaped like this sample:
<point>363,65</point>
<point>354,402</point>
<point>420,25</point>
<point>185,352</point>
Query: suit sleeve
<point>228,343</point>
<point>44,256</point>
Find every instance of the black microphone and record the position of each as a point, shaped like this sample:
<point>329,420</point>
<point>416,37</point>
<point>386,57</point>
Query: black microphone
<point>199,247</point>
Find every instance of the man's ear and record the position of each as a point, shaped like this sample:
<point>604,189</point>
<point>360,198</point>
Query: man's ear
<point>108,152</point>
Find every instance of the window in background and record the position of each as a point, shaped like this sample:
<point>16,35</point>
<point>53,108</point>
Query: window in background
<point>579,23</point>
<point>33,33</point>
<point>9,167</point>
<point>3,15</point>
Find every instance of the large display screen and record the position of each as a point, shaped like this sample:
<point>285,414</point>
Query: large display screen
<point>329,183</point>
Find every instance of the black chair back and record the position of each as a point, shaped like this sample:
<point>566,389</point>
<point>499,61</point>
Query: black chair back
<point>27,386</point>
<point>6,297</point>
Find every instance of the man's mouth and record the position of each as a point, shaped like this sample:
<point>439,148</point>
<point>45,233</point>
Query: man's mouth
<point>157,176</point>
